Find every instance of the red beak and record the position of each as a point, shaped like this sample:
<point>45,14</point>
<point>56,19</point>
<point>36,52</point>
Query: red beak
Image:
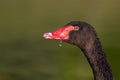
<point>60,34</point>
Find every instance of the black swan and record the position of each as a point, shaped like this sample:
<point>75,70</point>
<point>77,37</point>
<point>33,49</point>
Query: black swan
<point>84,36</point>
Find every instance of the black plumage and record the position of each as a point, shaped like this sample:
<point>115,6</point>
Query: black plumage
<point>87,40</point>
<point>84,36</point>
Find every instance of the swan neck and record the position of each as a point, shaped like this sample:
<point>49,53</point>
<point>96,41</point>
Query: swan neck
<point>98,61</point>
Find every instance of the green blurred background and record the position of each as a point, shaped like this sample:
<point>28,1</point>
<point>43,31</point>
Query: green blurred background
<point>26,55</point>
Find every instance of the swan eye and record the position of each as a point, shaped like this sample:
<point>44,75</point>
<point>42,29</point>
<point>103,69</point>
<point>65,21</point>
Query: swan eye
<point>76,28</point>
